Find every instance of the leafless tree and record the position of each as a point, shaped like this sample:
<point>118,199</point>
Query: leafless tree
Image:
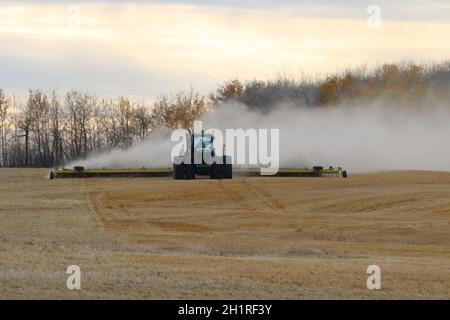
<point>4,126</point>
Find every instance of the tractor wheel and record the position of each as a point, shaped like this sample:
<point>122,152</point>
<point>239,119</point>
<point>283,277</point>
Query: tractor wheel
<point>227,168</point>
<point>178,172</point>
<point>215,171</point>
<point>227,171</point>
<point>52,175</point>
<point>189,171</point>
<point>344,174</point>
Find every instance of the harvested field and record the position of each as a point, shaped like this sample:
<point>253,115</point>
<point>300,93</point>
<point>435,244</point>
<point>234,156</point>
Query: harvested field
<point>281,238</point>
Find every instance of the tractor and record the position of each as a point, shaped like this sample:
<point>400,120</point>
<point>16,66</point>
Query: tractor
<point>201,160</point>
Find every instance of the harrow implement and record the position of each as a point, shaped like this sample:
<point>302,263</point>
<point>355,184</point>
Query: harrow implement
<point>80,172</point>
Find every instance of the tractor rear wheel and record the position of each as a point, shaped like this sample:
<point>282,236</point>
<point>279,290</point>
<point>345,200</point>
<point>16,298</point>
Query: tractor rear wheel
<point>227,168</point>
<point>189,171</point>
<point>227,171</point>
<point>215,172</point>
<point>178,172</point>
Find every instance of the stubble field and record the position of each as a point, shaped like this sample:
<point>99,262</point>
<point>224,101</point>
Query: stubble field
<point>279,238</point>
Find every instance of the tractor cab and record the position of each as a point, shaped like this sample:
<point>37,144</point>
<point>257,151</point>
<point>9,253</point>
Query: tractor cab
<point>203,143</point>
<point>203,160</point>
<point>202,147</point>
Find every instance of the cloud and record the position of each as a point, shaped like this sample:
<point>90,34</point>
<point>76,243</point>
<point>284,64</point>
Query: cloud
<point>412,10</point>
<point>144,50</point>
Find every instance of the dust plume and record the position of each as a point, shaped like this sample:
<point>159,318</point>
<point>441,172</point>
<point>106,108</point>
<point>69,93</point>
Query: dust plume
<point>361,137</point>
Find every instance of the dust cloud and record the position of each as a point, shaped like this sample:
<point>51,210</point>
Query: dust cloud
<point>361,137</point>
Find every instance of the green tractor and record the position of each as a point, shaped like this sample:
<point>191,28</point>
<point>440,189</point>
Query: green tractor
<point>201,160</point>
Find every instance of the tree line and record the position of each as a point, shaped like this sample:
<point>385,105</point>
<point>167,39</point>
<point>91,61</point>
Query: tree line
<point>49,129</point>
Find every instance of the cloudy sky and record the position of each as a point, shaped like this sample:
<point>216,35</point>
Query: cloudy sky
<point>146,48</point>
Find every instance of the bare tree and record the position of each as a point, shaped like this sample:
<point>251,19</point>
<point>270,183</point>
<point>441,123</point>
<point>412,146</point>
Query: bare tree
<point>80,110</point>
<point>4,106</point>
<point>124,113</point>
<point>56,128</point>
<point>143,121</point>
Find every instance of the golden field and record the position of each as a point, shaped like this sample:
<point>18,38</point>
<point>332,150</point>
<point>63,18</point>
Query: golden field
<point>247,238</point>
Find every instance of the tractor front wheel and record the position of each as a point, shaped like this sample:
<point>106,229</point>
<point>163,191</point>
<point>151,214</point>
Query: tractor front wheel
<point>178,172</point>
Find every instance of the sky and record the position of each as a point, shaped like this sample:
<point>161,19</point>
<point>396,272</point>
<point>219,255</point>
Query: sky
<point>143,49</point>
